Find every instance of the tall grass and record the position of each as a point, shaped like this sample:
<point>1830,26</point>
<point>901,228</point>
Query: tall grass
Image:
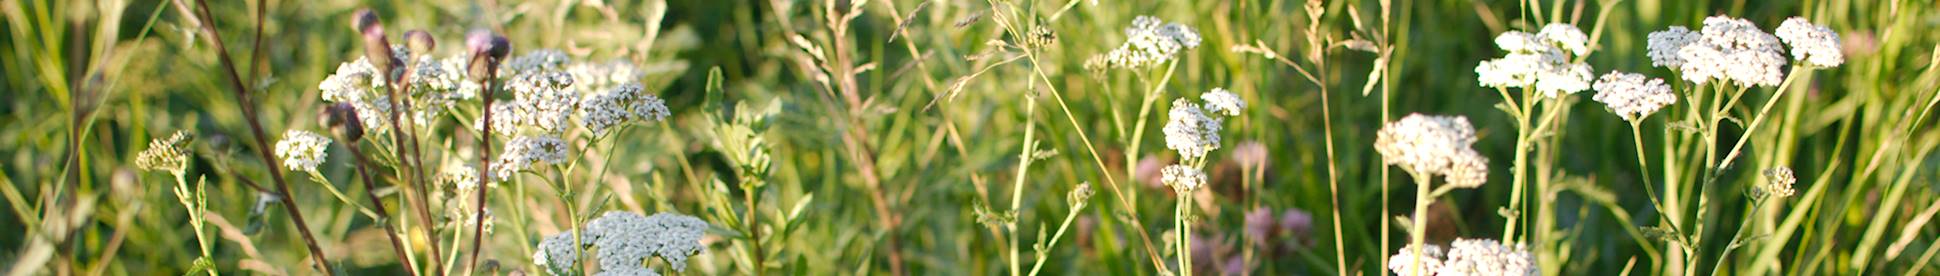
<point>952,137</point>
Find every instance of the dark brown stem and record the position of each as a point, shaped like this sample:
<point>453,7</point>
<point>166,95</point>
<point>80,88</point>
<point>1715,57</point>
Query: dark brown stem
<point>404,142</point>
<point>248,106</point>
<point>376,202</point>
<point>484,162</point>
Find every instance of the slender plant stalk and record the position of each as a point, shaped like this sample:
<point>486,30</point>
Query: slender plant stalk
<point>1045,255</point>
<point>484,161</point>
<point>377,202</point>
<point>248,106</point>
<point>1024,160</point>
<point>1418,231</point>
<point>1760,118</point>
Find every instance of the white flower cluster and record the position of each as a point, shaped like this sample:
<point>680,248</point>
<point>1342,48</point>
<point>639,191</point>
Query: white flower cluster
<point>1663,46</point>
<point>360,84</point>
<point>525,151</point>
<point>1223,102</point>
<point>1540,61</point>
<point>1148,42</point>
<point>1812,44</point>
<point>1466,257</point>
<point>1404,262</point>
<point>1193,130</point>
<point>549,93</point>
<point>169,154</point>
<point>1726,49</point>
<point>1428,145</point>
<point>302,150</point>
<point>624,103</point>
<point>624,241</point>
<point>435,85</point>
<point>1633,96</point>
<point>1778,183</point>
<point>1183,178</point>
<point>460,210</point>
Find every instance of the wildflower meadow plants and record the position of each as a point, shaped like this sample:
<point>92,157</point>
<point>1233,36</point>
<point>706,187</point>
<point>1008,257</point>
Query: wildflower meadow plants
<point>972,137</point>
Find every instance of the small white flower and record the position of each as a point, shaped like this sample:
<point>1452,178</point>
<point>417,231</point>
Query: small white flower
<point>1664,45</point>
<point>1540,62</point>
<point>624,241</point>
<point>1150,42</point>
<point>1567,37</point>
<point>359,84</point>
<point>1467,169</point>
<point>1190,131</point>
<point>1733,49</point>
<point>1560,79</point>
<point>524,152</point>
<point>302,150</point>
<point>1404,261</point>
<point>536,61</point>
<point>1812,44</point>
<point>547,103</point>
<point>1223,102</point>
<point>1778,182</point>
<point>1487,257</point>
<point>1183,178</point>
<point>1632,96</point>
<point>1428,145</point>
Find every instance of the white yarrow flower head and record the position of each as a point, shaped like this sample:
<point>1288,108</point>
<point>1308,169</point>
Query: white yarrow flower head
<point>1664,45</point>
<point>1149,42</point>
<point>545,100</point>
<point>1778,183</point>
<point>1566,37</point>
<point>302,150</point>
<point>1812,44</point>
<point>1183,179</point>
<point>1223,102</point>
<point>1633,96</point>
<point>1191,131</point>
<point>1733,50</point>
<point>169,154</point>
<point>1404,262</point>
<point>524,152</point>
<point>1428,145</point>
<point>624,241</point>
<point>359,83</point>
<point>1540,61</point>
<point>1488,257</point>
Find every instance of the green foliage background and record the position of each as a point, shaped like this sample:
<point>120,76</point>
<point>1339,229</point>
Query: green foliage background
<point>89,83</point>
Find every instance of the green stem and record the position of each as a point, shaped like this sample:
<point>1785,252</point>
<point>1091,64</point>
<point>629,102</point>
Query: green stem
<point>1418,230</point>
<point>1045,254</point>
<point>1760,118</point>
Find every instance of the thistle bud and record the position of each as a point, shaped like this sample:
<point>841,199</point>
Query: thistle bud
<point>377,48</point>
<point>487,50</point>
<point>343,121</point>
<point>420,41</point>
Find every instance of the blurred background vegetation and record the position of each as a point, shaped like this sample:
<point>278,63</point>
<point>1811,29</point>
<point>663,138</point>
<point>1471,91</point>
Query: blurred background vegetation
<point>89,82</point>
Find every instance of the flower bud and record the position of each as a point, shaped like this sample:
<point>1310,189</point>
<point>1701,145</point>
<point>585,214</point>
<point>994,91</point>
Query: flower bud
<point>420,41</point>
<point>343,121</point>
<point>377,48</point>
<point>487,50</point>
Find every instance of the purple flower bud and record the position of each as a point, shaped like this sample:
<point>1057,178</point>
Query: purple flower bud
<point>364,20</point>
<point>342,120</point>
